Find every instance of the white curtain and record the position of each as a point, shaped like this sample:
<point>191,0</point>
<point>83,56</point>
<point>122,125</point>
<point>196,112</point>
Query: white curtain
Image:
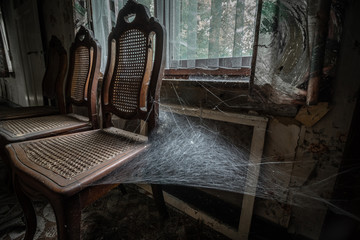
<point>104,14</point>
<point>210,33</point>
<point>200,33</point>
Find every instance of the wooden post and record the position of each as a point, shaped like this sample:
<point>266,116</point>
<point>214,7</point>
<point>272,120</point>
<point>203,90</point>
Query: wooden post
<point>257,145</point>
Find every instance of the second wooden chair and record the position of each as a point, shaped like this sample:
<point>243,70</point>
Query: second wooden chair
<point>81,90</point>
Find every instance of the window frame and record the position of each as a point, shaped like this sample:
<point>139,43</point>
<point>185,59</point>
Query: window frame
<point>6,47</point>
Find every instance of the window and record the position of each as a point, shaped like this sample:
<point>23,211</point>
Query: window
<point>203,34</point>
<point>209,33</point>
<point>5,61</point>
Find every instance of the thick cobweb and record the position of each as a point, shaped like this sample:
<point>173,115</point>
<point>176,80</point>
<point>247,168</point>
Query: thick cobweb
<point>191,151</point>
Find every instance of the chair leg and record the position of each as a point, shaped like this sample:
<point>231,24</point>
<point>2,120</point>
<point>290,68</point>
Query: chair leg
<point>159,200</point>
<point>68,217</point>
<point>28,208</point>
<point>6,171</point>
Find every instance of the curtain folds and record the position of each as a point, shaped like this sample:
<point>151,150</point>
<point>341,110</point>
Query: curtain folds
<point>211,33</point>
<point>201,33</point>
<point>104,15</point>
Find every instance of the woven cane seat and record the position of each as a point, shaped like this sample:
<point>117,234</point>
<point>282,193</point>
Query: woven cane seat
<point>30,128</point>
<point>23,112</point>
<point>68,160</point>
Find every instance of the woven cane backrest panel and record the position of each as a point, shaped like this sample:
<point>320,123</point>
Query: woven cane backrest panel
<point>128,76</point>
<point>71,155</point>
<point>80,74</point>
<point>20,127</point>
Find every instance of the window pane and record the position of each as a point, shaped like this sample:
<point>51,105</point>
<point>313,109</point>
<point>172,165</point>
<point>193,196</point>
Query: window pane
<point>5,61</point>
<point>207,29</point>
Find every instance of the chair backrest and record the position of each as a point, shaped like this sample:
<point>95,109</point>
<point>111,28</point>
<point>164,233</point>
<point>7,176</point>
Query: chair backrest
<point>53,81</point>
<point>84,73</point>
<point>135,66</point>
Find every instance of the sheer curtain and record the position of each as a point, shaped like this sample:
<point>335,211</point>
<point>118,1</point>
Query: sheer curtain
<point>104,14</point>
<point>209,33</point>
<point>200,33</point>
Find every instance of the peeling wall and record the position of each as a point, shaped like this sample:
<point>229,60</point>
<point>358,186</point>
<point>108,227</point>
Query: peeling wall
<point>319,149</point>
<point>325,142</point>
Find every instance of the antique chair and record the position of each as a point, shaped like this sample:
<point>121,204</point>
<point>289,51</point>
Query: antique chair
<point>52,86</point>
<point>81,89</point>
<point>68,169</point>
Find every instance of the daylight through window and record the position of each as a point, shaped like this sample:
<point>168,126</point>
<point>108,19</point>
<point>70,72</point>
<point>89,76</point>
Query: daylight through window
<point>211,33</point>
<point>201,33</point>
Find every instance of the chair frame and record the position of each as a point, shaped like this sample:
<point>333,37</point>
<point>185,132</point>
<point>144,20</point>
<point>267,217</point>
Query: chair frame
<point>90,98</point>
<point>68,201</point>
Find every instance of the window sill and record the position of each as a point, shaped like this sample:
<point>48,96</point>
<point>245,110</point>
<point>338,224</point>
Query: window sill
<point>235,84</point>
<point>242,72</point>
<point>223,95</point>
<point>215,78</point>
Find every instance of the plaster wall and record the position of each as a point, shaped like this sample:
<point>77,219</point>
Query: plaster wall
<point>57,20</point>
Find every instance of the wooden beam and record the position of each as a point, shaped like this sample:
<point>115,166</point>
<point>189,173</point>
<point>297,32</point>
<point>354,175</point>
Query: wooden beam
<point>248,120</point>
<point>257,146</point>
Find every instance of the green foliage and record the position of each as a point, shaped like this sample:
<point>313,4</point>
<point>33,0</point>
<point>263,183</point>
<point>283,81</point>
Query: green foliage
<point>213,28</point>
<point>269,16</point>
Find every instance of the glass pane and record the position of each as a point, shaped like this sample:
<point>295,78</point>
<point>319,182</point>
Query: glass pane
<point>208,29</point>
<point>5,61</point>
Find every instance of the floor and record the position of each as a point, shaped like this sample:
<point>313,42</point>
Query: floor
<point>116,216</point>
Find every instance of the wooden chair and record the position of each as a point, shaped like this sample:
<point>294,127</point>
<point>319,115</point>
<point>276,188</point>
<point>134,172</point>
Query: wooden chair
<point>52,86</point>
<point>81,90</point>
<point>66,169</point>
